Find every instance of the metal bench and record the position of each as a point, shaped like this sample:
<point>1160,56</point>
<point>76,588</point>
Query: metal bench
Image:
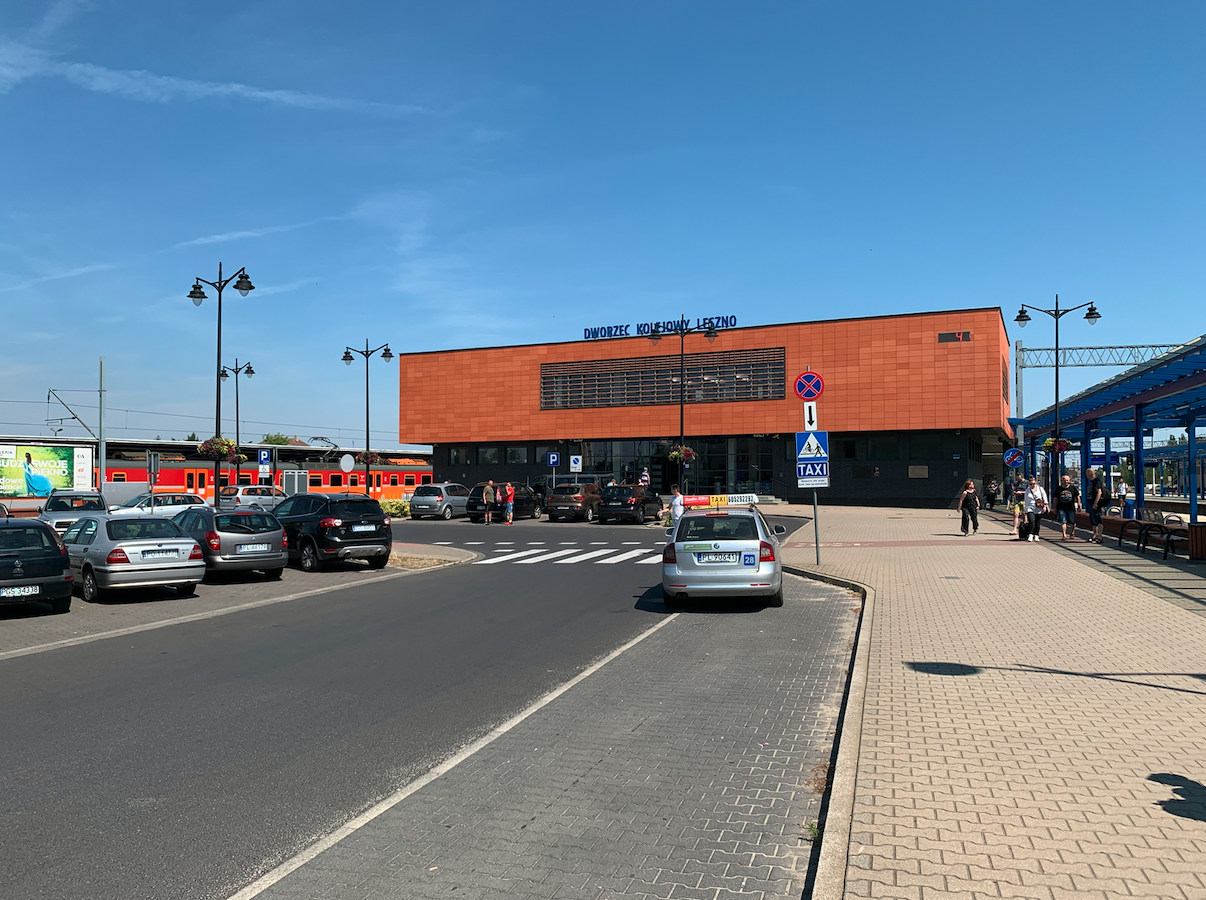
<point>1142,532</point>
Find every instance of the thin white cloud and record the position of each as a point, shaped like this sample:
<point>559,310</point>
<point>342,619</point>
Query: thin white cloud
<point>59,14</point>
<point>239,235</point>
<point>285,288</point>
<point>70,273</point>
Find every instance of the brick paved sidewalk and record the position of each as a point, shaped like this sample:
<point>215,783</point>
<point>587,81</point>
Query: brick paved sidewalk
<point>1034,723</point>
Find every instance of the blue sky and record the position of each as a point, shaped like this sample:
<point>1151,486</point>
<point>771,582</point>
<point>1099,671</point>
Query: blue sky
<point>469,174</point>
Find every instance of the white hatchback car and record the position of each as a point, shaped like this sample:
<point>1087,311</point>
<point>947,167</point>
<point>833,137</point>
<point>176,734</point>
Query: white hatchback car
<point>166,505</point>
<point>723,551</point>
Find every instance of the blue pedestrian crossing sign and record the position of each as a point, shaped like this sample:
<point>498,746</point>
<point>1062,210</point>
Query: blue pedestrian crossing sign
<point>812,459</point>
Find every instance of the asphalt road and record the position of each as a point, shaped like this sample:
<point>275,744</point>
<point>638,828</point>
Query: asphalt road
<point>185,761</point>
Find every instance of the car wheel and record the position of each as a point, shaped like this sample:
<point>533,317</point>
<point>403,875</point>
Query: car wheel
<point>274,574</point>
<point>309,557</point>
<point>61,605</point>
<point>535,512</point>
<point>447,513</point>
<point>379,562</point>
<point>89,587</point>
<point>776,598</point>
<point>186,590</point>
<point>589,516</point>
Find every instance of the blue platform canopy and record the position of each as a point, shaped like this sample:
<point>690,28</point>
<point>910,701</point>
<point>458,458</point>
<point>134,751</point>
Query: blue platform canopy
<point>1166,392</point>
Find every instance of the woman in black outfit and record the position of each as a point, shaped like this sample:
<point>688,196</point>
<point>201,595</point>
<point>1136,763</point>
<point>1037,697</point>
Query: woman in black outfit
<point>969,504</point>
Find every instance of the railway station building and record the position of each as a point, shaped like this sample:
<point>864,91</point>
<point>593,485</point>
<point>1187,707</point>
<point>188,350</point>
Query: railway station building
<point>913,404</point>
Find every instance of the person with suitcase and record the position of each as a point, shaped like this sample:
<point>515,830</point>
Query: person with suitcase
<point>1036,503</point>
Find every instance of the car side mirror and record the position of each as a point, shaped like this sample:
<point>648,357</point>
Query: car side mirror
<point>669,532</point>
<point>780,529</point>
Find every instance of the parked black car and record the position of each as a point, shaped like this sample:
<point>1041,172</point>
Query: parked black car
<point>322,527</point>
<point>527,504</point>
<point>34,565</point>
<point>633,502</point>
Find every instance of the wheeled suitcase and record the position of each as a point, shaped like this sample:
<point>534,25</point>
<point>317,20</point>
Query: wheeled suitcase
<point>1024,530</point>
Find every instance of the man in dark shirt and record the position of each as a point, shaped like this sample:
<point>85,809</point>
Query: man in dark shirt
<point>1094,504</point>
<point>1067,500</point>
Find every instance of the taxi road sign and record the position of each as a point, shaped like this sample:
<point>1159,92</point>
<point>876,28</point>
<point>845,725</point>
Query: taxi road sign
<point>812,459</point>
<point>809,385</point>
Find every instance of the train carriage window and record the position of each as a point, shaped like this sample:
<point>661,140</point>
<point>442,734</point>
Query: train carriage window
<point>410,480</point>
<point>354,481</point>
<point>190,480</point>
<point>337,479</point>
<point>393,480</point>
<point>244,478</point>
<point>316,481</point>
<point>200,481</point>
<point>119,476</point>
<point>377,478</point>
<point>426,479</point>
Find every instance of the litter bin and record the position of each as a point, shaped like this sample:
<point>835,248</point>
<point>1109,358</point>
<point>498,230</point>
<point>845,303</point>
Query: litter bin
<point>1197,540</point>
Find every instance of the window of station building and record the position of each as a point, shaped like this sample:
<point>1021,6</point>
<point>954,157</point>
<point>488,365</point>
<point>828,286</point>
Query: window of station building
<point>975,451</point>
<point>883,447</point>
<point>517,456</point>
<point>846,448</point>
<point>487,456</point>
<point>1005,378</point>
<point>542,455</point>
<point>336,479</point>
<point>925,446</point>
<point>315,481</point>
<point>458,456</point>
<point>716,377</point>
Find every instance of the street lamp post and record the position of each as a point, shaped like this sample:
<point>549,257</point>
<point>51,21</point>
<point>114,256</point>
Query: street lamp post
<point>244,286</point>
<point>682,329</point>
<point>1091,316</point>
<point>236,370</point>
<point>347,358</point>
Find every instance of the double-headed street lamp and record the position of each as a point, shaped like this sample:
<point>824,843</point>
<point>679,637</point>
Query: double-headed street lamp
<point>236,370</point>
<point>244,286</point>
<point>347,357</point>
<point>682,329</point>
<point>1091,316</point>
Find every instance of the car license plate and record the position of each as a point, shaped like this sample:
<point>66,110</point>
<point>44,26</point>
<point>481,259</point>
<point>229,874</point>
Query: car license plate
<point>364,528</point>
<point>614,503</point>
<point>158,554</point>
<point>252,548</point>
<point>717,557</point>
<point>25,590</point>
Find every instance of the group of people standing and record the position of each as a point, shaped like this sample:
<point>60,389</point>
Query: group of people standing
<point>1029,501</point>
<point>504,496</point>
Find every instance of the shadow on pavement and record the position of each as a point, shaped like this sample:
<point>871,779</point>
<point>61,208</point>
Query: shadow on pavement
<point>953,668</point>
<point>26,610</point>
<point>653,601</point>
<point>1190,799</point>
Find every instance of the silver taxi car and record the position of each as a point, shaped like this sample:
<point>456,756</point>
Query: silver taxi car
<point>723,551</point>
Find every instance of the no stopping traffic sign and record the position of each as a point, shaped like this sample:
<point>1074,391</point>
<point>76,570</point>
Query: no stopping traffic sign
<point>809,385</point>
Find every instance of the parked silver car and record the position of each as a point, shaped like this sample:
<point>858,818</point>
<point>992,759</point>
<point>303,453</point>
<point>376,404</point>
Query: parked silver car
<point>109,552</point>
<point>242,540</point>
<point>261,496</point>
<point>64,507</point>
<point>724,551</point>
<point>166,505</point>
<point>439,500</point>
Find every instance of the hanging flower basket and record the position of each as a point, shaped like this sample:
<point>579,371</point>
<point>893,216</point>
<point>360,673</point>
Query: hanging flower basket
<point>219,448</point>
<point>1057,445</point>
<point>682,454</point>
<point>368,459</point>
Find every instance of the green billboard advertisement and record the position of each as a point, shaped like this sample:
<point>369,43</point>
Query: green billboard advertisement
<point>33,471</point>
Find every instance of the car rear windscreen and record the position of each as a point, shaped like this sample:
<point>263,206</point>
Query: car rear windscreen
<point>427,491</point>
<point>569,489</point>
<point>355,509</point>
<point>142,529</point>
<point>618,493</point>
<point>255,523</point>
<point>717,528</point>
<point>30,538</point>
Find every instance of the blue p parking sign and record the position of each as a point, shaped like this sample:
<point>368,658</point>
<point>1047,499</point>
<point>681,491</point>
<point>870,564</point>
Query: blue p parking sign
<point>554,459</point>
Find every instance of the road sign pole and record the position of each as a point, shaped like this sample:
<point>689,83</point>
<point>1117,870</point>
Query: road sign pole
<point>816,528</point>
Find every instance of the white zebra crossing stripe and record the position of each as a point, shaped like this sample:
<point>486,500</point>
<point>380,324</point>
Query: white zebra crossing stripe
<point>631,554</point>
<point>585,556</point>
<point>505,557</point>
<point>444,543</point>
<point>554,555</point>
<point>650,561</point>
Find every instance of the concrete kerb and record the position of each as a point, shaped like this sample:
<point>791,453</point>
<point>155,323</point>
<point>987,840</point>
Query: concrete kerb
<point>829,882</point>
<point>444,555</point>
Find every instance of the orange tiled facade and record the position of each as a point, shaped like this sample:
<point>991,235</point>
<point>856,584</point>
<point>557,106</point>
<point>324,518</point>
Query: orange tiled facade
<point>881,374</point>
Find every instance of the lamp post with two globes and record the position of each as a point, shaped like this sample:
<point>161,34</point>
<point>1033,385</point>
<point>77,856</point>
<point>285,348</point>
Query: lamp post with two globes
<point>348,359</point>
<point>244,286</point>
<point>682,329</point>
<point>236,370</point>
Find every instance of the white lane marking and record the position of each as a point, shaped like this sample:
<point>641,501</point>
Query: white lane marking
<point>443,543</point>
<point>505,557</point>
<point>261,884</point>
<point>567,543</point>
<point>585,556</point>
<point>535,543</point>
<point>629,543</point>
<point>474,543</point>
<point>553,555</point>
<point>631,554</point>
<point>650,561</point>
<point>599,543</point>
<point>502,543</point>
<point>504,550</point>
<point>195,617</point>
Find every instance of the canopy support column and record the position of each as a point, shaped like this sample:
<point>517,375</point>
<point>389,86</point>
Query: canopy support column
<point>1086,458</point>
<point>1193,471</point>
<point>1140,473</point>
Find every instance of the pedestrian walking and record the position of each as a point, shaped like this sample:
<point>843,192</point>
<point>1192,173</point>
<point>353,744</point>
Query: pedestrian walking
<point>1035,503</point>
<point>508,493</point>
<point>645,476</point>
<point>1067,502</point>
<point>991,491</point>
<point>488,500</point>
<point>1096,494</point>
<point>969,505</point>
<point>676,506</point>
<point>1017,503</point>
